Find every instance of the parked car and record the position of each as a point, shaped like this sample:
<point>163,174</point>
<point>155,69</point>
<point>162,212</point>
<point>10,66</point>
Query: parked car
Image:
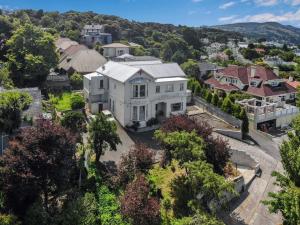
<point>107,113</point>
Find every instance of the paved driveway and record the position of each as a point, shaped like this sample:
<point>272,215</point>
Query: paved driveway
<point>248,209</point>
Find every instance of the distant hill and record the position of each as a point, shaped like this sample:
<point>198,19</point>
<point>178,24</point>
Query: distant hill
<point>272,31</point>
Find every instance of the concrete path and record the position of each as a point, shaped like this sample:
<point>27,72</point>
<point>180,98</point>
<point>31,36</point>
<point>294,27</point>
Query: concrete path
<point>248,209</point>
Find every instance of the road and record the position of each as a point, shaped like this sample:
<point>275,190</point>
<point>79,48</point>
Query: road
<point>248,209</point>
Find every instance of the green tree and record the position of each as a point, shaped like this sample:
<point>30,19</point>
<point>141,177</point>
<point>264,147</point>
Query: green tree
<point>103,135</point>
<point>287,200</point>
<point>12,103</point>
<point>227,105</point>
<point>5,80</point>
<point>77,101</point>
<point>76,80</point>
<point>215,99</point>
<point>245,122</point>
<point>74,121</point>
<point>208,97</point>
<point>178,57</point>
<point>191,68</point>
<point>31,55</point>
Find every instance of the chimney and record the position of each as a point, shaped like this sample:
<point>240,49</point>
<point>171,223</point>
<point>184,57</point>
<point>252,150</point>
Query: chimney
<point>253,71</point>
<point>276,70</point>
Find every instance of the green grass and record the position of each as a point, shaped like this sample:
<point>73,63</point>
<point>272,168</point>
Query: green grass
<point>62,102</point>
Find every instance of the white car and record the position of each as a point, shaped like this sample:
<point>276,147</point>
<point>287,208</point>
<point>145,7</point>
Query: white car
<point>107,113</point>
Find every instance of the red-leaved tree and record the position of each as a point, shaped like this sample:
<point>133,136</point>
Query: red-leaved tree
<point>39,162</point>
<point>138,206</point>
<point>139,159</point>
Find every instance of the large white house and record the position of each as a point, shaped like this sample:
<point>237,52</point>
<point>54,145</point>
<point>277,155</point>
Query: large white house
<point>114,50</point>
<point>136,92</point>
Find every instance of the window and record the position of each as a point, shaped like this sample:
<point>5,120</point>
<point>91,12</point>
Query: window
<point>115,86</point>
<point>139,91</point>
<point>181,87</point>
<point>101,84</point>
<point>176,107</point>
<point>142,91</point>
<point>157,89</point>
<point>135,91</point>
<point>170,88</point>
<point>142,116</point>
<point>134,113</point>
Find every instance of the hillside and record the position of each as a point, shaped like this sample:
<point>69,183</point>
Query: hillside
<point>271,31</point>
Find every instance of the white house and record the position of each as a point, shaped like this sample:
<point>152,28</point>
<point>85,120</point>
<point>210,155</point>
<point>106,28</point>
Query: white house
<point>136,92</point>
<point>114,50</point>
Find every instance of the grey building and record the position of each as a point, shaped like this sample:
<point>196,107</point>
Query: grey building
<point>93,34</point>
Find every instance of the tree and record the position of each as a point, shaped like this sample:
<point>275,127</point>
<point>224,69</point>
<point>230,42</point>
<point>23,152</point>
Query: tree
<point>103,135</point>
<point>77,101</point>
<point>208,97</point>
<point>182,146</point>
<point>74,121</point>
<point>31,55</point>
<point>138,206</point>
<point>227,105</point>
<point>38,162</point>
<point>5,80</point>
<point>286,200</point>
<point>12,103</point>
<point>245,122</point>
<point>191,68</point>
<point>6,26</point>
<point>215,99</point>
<point>76,80</point>
<point>178,57</point>
<point>140,159</point>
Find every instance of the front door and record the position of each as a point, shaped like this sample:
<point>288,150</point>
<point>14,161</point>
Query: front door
<point>100,108</point>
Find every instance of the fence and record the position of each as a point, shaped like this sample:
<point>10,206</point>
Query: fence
<point>218,112</point>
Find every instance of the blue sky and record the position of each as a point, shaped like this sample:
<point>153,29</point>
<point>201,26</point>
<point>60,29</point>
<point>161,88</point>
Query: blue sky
<point>184,12</point>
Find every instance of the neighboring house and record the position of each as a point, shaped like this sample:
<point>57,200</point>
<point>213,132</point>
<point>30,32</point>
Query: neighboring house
<point>56,81</point>
<point>131,58</point>
<point>265,115</point>
<point>243,45</point>
<point>260,51</point>
<point>83,61</point>
<point>62,44</point>
<point>257,81</point>
<point>277,61</point>
<point>297,52</point>
<point>71,51</point>
<point>93,34</point>
<point>205,68</point>
<point>221,56</point>
<point>293,83</point>
<point>136,92</point>
<point>114,50</point>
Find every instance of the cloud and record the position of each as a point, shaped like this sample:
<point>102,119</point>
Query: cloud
<point>289,17</point>
<point>227,5</point>
<point>266,2</point>
<point>292,2</point>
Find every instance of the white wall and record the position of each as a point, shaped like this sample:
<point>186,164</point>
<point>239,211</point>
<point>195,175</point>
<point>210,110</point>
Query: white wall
<point>114,52</point>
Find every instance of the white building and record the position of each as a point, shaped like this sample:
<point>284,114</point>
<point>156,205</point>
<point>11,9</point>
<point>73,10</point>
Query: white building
<point>93,34</point>
<point>114,50</point>
<point>136,92</point>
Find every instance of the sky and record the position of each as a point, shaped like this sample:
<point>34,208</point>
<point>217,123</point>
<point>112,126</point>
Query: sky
<point>183,12</point>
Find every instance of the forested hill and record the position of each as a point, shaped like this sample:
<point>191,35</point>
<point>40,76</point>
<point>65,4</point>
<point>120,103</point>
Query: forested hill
<point>271,31</point>
<point>152,36</point>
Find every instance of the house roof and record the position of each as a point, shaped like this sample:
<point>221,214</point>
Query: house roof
<point>118,71</point>
<point>83,61</point>
<point>267,90</point>
<point>91,75</point>
<point>206,66</point>
<point>93,26</point>
<point>262,73</point>
<point>71,51</point>
<point>216,84</point>
<point>122,71</point>
<point>115,45</point>
<point>64,43</point>
<point>294,84</point>
<point>235,71</point>
<point>128,57</point>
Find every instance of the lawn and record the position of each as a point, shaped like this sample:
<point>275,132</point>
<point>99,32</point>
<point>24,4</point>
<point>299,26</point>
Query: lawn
<point>62,102</point>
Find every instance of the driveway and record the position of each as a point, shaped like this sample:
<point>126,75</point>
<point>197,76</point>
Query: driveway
<point>248,209</point>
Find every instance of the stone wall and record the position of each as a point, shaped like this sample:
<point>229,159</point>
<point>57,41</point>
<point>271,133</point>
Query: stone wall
<point>244,159</point>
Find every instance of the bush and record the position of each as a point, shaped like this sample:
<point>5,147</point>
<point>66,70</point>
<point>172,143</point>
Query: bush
<point>215,100</point>
<point>74,121</point>
<point>77,101</point>
<point>76,81</point>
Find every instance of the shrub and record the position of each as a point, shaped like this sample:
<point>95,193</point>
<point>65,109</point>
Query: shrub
<point>76,81</point>
<point>74,121</point>
<point>215,100</point>
<point>77,101</point>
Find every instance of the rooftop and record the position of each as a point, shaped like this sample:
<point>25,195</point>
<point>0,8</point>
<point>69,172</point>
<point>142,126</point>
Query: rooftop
<point>115,45</point>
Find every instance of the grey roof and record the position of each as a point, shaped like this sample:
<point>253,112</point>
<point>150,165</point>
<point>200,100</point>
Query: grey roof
<point>115,45</point>
<point>206,66</point>
<point>163,70</point>
<point>122,72</point>
<point>83,61</point>
<point>64,43</point>
<point>128,57</point>
<point>93,26</point>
